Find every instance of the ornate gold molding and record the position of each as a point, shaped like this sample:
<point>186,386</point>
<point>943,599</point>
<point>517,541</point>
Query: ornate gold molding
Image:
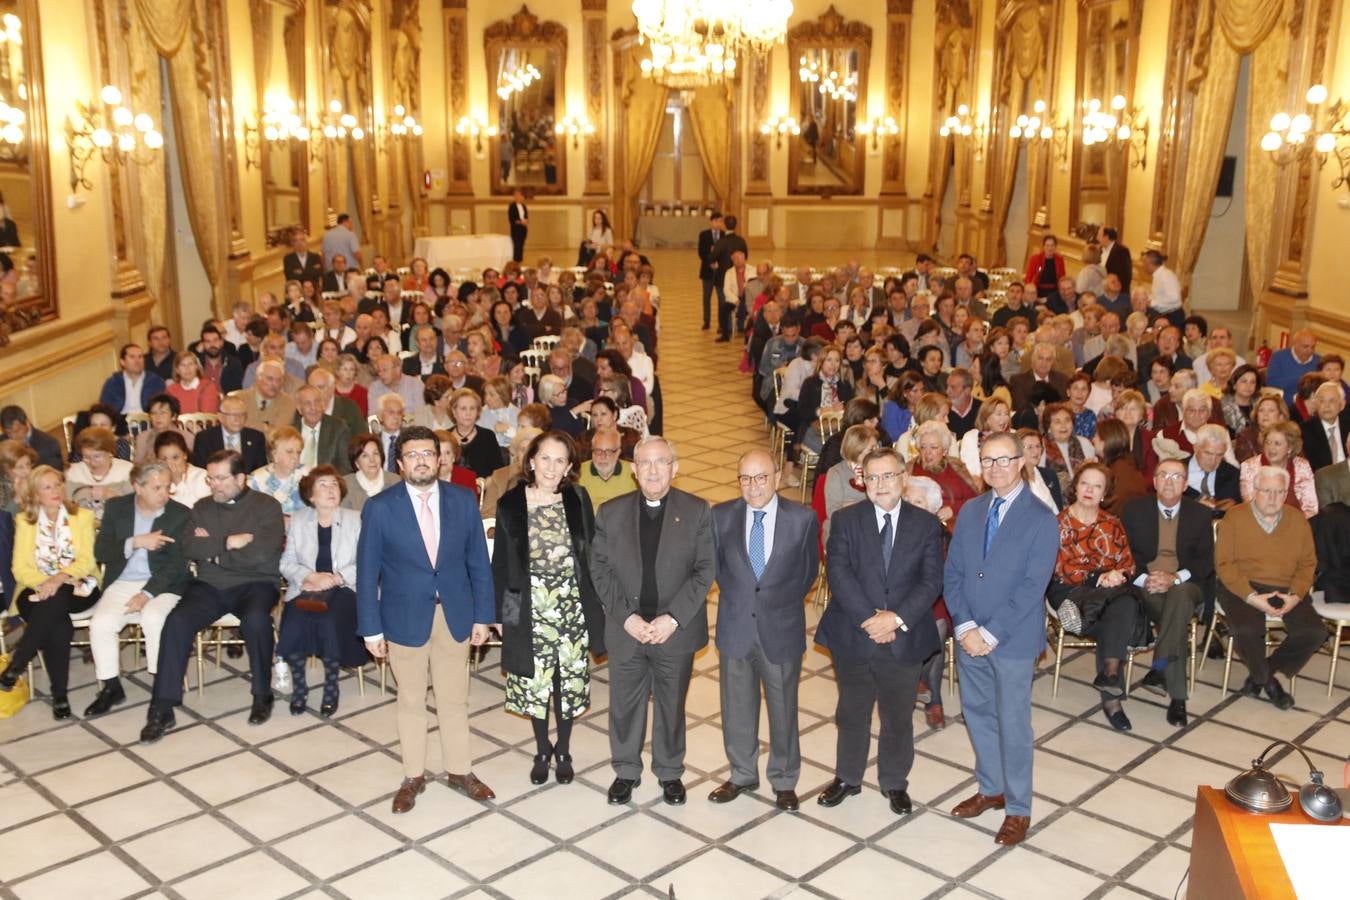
<point>954,79</point>
<point>1175,124</point>
<point>897,93</point>
<point>761,74</point>
<point>832,31</point>
<point>593,46</point>
<point>455,28</point>
<point>525,28</point>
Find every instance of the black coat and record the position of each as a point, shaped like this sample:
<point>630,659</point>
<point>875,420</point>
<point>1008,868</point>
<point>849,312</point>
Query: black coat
<point>1315,445</point>
<point>511,574</point>
<point>1119,263</point>
<point>706,242</point>
<point>1195,538</point>
<point>311,269</point>
<point>1227,486</point>
<point>253,447</point>
<point>1331,532</point>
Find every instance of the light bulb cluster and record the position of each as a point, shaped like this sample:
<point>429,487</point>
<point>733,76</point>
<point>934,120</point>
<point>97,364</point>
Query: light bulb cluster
<point>281,122</point>
<point>1028,127</point>
<point>1297,131</point>
<point>341,124</point>
<point>12,120</point>
<point>837,88</point>
<point>574,127</point>
<point>959,124</point>
<point>129,130</point>
<point>403,124</point>
<point>778,126</point>
<point>1100,125</point>
<point>696,42</point>
<point>516,81</point>
<point>475,128</point>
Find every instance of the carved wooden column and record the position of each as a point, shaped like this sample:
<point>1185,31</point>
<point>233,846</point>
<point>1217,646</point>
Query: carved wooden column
<point>593,47</point>
<point>898,15</point>
<point>761,76</point>
<point>455,27</point>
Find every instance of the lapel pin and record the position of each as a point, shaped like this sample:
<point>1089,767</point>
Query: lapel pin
<point>677,520</point>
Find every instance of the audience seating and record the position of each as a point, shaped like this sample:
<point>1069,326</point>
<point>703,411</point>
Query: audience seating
<point>1337,616</point>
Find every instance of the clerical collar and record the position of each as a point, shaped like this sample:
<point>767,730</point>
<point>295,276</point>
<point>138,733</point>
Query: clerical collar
<point>653,504</point>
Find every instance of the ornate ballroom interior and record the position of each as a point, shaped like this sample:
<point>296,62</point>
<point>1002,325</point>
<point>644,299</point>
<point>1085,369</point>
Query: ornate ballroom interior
<point>158,156</point>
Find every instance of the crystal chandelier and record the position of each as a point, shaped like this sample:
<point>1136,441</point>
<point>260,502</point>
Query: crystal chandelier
<point>697,42</point>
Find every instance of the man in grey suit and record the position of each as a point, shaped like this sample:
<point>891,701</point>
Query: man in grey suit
<point>652,564</point>
<point>767,557</point>
<point>999,563</point>
<point>885,568</point>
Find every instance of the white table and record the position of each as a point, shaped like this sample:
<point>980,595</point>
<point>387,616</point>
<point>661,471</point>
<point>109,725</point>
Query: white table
<point>477,251</point>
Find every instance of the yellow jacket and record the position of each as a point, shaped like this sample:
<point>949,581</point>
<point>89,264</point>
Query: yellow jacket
<point>27,576</point>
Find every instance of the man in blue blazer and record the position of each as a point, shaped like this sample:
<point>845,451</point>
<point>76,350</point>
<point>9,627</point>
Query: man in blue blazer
<point>129,389</point>
<point>999,563</point>
<point>884,561</point>
<point>423,597</point>
<point>767,557</point>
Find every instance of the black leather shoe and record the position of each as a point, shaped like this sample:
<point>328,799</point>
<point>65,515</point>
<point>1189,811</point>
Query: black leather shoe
<point>328,708</point>
<point>722,339</point>
<point>261,711</point>
<point>1250,688</point>
<point>1156,682</point>
<point>673,792</point>
<point>836,791</point>
<point>1119,721</point>
<point>1111,684</point>
<point>157,724</point>
<point>1277,694</point>
<point>539,771</point>
<point>730,790</point>
<point>621,791</point>
<point>110,695</point>
<point>61,708</point>
<point>1176,713</point>
<point>298,706</point>
<point>562,769</point>
<point>8,679</point>
<point>900,803</point>
<point>786,801</point>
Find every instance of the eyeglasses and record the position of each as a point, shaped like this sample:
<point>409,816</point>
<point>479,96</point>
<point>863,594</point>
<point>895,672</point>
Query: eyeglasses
<point>604,451</point>
<point>881,478</point>
<point>219,479</point>
<point>1171,476</point>
<point>655,463</point>
<point>759,480</point>
<point>1002,462</point>
<point>419,454</point>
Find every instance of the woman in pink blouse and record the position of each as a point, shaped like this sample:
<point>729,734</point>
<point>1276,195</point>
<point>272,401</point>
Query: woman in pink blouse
<point>1281,444</point>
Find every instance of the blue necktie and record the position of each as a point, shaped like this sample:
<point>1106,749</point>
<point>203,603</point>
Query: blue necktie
<point>757,544</point>
<point>887,539</point>
<point>991,524</point>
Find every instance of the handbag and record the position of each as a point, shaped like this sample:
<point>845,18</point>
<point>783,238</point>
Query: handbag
<point>15,699</point>
<point>312,601</point>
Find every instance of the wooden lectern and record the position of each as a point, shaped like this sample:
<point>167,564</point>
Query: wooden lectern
<point>1233,854</point>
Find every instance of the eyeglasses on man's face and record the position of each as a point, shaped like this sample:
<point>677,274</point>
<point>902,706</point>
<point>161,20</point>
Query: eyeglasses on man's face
<point>1171,476</point>
<point>649,464</point>
<point>414,455</point>
<point>1002,462</point>
<point>604,451</point>
<point>759,479</point>
<point>881,477</point>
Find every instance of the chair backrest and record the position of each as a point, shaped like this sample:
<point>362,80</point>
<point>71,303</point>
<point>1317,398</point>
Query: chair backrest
<point>779,375</point>
<point>830,423</point>
<point>373,423</point>
<point>532,373</point>
<point>137,422</point>
<point>489,524</point>
<point>546,341</point>
<point>195,422</point>
<point>535,357</point>
<point>68,429</point>
<point>479,484</point>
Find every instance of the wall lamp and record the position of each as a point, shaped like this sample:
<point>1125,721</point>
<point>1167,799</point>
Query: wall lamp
<point>110,130</point>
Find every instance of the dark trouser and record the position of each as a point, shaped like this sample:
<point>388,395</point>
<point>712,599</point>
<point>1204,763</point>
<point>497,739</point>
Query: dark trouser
<point>723,312</point>
<point>1113,631</point>
<point>936,665</point>
<point>518,242</point>
<point>890,686</point>
<point>740,680</point>
<point>1177,316</point>
<point>709,288</point>
<point>664,677</point>
<point>1304,632</point>
<point>1172,611</point>
<point>203,604</point>
<point>47,630</point>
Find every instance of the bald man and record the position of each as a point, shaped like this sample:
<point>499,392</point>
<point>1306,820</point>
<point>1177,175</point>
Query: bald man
<point>767,558</point>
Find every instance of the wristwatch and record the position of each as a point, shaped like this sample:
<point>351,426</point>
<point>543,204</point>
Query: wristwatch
<point>1176,579</point>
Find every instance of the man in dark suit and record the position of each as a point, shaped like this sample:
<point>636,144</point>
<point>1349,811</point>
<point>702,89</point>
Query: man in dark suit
<point>325,437</point>
<point>231,434</point>
<point>1168,344</point>
<point>579,389</point>
<point>1116,257</point>
<point>707,270</point>
<point>140,545</point>
<point>1333,482</point>
<point>300,264</point>
<point>1210,479</point>
<point>341,408</point>
<point>1172,542</point>
<point>1042,370</point>
<point>335,282</point>
<point>1324,433</point>
<point>767,558</point>
<point>721,252</point>
<point>14,422</point>
<point>424,596</point>
<point>519,217</point>
<point>426,361</point>
<point>652,563</point>
<point>220,365</point>
<point>884,561</point>
<point>1001,557</point>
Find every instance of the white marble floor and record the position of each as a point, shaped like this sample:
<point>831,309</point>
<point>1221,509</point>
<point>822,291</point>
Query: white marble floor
<point>300,807</point>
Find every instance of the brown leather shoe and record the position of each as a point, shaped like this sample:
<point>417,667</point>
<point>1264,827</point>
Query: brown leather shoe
<point>471,787</point>
<point>973,806</point>
<point>935,716</point>
<point>1014,830</point>
<point>729,791</point>
<point>406,797</point>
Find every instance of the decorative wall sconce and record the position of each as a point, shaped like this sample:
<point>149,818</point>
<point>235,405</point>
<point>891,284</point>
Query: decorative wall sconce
<point>965,126</point>
<point>110,130</point>
<point>1126,129</point>
<point>877,129</point>
<point>779,126</point>
<point>475,127</point>
<point>403,124</point>
<point>1039,126</point>
<point>1321,131</point>
<point>339,125</point>
<point>574,127</point>
<point>280,122</point>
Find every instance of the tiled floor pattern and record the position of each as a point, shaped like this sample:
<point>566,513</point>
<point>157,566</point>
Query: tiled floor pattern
<point>299,808</point>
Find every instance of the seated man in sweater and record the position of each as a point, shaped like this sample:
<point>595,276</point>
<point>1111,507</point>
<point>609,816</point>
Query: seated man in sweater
<point>235,537</point>
<point>1266,561</point>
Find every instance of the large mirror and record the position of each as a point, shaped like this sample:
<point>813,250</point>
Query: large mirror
<point>279,62</point>
<point>829,82</point>
<point>27,280</point>
<point>526,59</point>
<point>1108,47</point>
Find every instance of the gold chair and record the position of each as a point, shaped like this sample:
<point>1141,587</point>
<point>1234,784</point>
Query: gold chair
<point>545,342</point>
<point>1082,642</point>
<point>1272,624</point>
<point>136,423</point>
<point>219,641</point>
<point>68,429</point>
<point>830,423</point>
<point>1337,615</point>
<point>196,422</point>
<point>779,434</point>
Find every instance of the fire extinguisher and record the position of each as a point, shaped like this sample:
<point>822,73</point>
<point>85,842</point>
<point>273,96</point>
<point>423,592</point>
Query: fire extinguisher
<point>1263,356</point>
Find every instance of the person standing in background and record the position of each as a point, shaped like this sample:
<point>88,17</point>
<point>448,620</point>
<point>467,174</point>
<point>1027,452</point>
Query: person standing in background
<point>519,217</point>
<point>707,266</point>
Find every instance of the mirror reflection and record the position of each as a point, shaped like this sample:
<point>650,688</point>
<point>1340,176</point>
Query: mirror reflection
<point>827,156</point>
<point>528,152</point>
<point>281,81</point>
<point>1107,48</point>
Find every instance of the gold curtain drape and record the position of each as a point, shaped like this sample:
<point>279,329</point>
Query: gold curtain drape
<point>1245,23</point>
<point>1211,116</point>
<point>643,102</point>
<point>1007,169</point>
<point>150,231</point>
<point>710,115</point>
<point>166,22</point>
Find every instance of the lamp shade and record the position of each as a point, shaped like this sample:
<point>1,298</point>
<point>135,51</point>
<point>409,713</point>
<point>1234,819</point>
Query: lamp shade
<point>1258,791</point>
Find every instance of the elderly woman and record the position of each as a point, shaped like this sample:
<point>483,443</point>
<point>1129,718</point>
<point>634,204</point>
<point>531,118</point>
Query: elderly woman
<point>1268,409</point>
<point>605,418</point>
<point>369,476</point>
<point>280,478</point>
<point>1112,443</point>
<point>435,413</point>
<point>55,574</point>
<point>994,417</point>
<point>101,415</point>
<point>631,414</point>
<point>553,394</point>
<point>1239,396</point>
<point>319,565</point>
<point>499,416</point>
<point>1041,480</point>
<point>1065,451</point>
<point>1093,572</point>
<point>924,493</point>
<point>17,462</point>
<point>1159,385</point>
<point>1221,362</point>
<point>98,476</point>
<point>164,410</point>
<point>934,460</point>
<point>193,393</point>
<point>842,485</point>
<point>187,483</point>
<point>932,407</point>
<point>1281,444</point>
<point>348,373</point>
<point>550,613</point>
<point>478,446</point>
<point>1084,419</point>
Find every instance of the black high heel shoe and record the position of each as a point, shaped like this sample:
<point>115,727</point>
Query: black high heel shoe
<point>539,771</point>
<point>298,704</point>
<point>329,706</point>
<point>563,771</point>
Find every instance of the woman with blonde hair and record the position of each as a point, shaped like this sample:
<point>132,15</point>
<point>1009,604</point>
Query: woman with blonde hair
<point>1131,410</point>
<point>17,462</point>
<point>499,416</point>
<point>934,441</point>
<point>55,574</point>
<point>843,482</point>
<point>1281,444</point>
<point>932,407</point>
<point>193,392</point>
<point>994,417</point>
<point>1266,411</point>
<point>280,478</point>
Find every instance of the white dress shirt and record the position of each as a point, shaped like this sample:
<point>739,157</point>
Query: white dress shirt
<point>132,403</point>
<point>1166,291</point>
<point>881,515</point>
<point>770,520</point>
